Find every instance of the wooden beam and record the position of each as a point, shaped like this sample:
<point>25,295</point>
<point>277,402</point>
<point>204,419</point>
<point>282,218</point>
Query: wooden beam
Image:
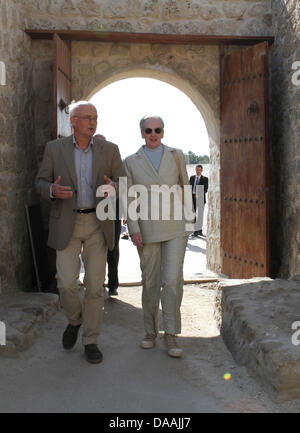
<point>147,38</point>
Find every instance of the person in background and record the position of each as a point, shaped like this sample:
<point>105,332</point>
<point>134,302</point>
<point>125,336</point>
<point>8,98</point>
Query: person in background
<point>196,180</point>
<point>125,235</point>
<point>113,255</point>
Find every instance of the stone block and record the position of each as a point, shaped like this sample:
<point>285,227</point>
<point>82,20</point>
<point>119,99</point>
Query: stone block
<point>24,314</point>
<point>191,27</point>
<point>144,25</point>
<point>122,9</point>
<point>121,26</point>
<point>233,10</point>
<point>258,322</point>
<point>101,67</point>
<point>164,28</point>
<point>209,13</point>
<point>116,9</point>
<point>54,8</point>
<point>255,27</point>
<point>268,20</point>
<point>258,10</point>
<point>140,51</point>
<point>14,337</point>
<point>151,8</point>
<point>9,350</point>
<point>69,9</point>
<point>119,50</point>
<point>90,8</point>
<point>4,19</point>
<point>177,9</point>
<point>100,49</point>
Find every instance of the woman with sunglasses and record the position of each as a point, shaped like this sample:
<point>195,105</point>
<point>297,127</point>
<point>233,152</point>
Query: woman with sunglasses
<point>161,241</point>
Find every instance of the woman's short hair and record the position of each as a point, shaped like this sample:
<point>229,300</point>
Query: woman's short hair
<point>143,120</point>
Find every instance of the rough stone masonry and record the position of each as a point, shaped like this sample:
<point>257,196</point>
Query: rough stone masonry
<point>259,320</point>
<point>25,109</point>
<point>26,123</point>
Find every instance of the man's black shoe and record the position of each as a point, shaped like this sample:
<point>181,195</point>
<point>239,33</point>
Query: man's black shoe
<point>113,292</point>
<point>70,336</point>
<point>93,353</point>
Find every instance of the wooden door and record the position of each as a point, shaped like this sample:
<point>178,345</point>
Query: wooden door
<point>244,154</point>
<point>62,86</point>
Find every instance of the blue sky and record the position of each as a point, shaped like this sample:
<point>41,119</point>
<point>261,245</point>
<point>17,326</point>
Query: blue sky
<point>123,103</point>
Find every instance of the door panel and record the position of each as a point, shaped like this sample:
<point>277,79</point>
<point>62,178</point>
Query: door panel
<point>62,86</point>
<point>244,154</point>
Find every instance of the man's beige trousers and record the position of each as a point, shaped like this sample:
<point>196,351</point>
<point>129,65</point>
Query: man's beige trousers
<point>162,275</point>
<point>88,240</point>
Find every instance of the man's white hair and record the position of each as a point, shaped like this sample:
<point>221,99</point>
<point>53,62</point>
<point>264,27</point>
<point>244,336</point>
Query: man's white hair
<point>76,105</point>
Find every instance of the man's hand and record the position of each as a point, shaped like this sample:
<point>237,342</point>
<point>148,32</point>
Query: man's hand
<point>137,239</point>
<point>59,191</point>
<point>110,188</point>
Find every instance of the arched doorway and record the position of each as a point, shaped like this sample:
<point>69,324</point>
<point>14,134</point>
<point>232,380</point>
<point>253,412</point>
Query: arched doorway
<point>121,104</point>
<point>212,126</point>
<point>196,70</point>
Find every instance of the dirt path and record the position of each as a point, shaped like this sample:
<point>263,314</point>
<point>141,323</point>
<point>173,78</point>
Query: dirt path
<point>47,379</point>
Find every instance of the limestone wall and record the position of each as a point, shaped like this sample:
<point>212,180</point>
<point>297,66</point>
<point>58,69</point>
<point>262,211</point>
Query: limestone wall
<point>26,102</point>
<point>285,104</point>
<point>237,17</point>
<point>194,70</point>
<point>17,158</point>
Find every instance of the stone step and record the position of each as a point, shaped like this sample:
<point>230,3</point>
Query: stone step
<point>22,316</point>
<point>259,320</point>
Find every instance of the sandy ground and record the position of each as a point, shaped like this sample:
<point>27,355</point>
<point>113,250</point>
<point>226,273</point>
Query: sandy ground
<point>46,378</point>
<point>194,262</point>
<point>195,257</point>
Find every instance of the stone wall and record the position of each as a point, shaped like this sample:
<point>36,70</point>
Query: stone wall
<point>231,17</point>
<point>17,157</point>
<point>285,102</point>
<point>193,70</point>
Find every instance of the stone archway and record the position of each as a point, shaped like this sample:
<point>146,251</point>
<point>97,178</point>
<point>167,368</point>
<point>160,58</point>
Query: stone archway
<point>167,77</point>
<point>193,69</point>
<point>212,124</point>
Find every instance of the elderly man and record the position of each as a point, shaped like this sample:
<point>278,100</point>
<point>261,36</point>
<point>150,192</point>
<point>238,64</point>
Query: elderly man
<point>161,242</point>
<point>72,170</point>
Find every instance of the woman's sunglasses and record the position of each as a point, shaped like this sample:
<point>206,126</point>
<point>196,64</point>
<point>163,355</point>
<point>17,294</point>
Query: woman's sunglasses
<point>156,130</point>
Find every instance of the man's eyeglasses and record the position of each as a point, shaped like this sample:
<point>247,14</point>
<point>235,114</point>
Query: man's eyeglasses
<point>89,118</point>
<point>156,130</point>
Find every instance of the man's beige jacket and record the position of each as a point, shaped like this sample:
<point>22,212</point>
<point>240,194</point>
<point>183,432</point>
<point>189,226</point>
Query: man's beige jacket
<point>59,161</point>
